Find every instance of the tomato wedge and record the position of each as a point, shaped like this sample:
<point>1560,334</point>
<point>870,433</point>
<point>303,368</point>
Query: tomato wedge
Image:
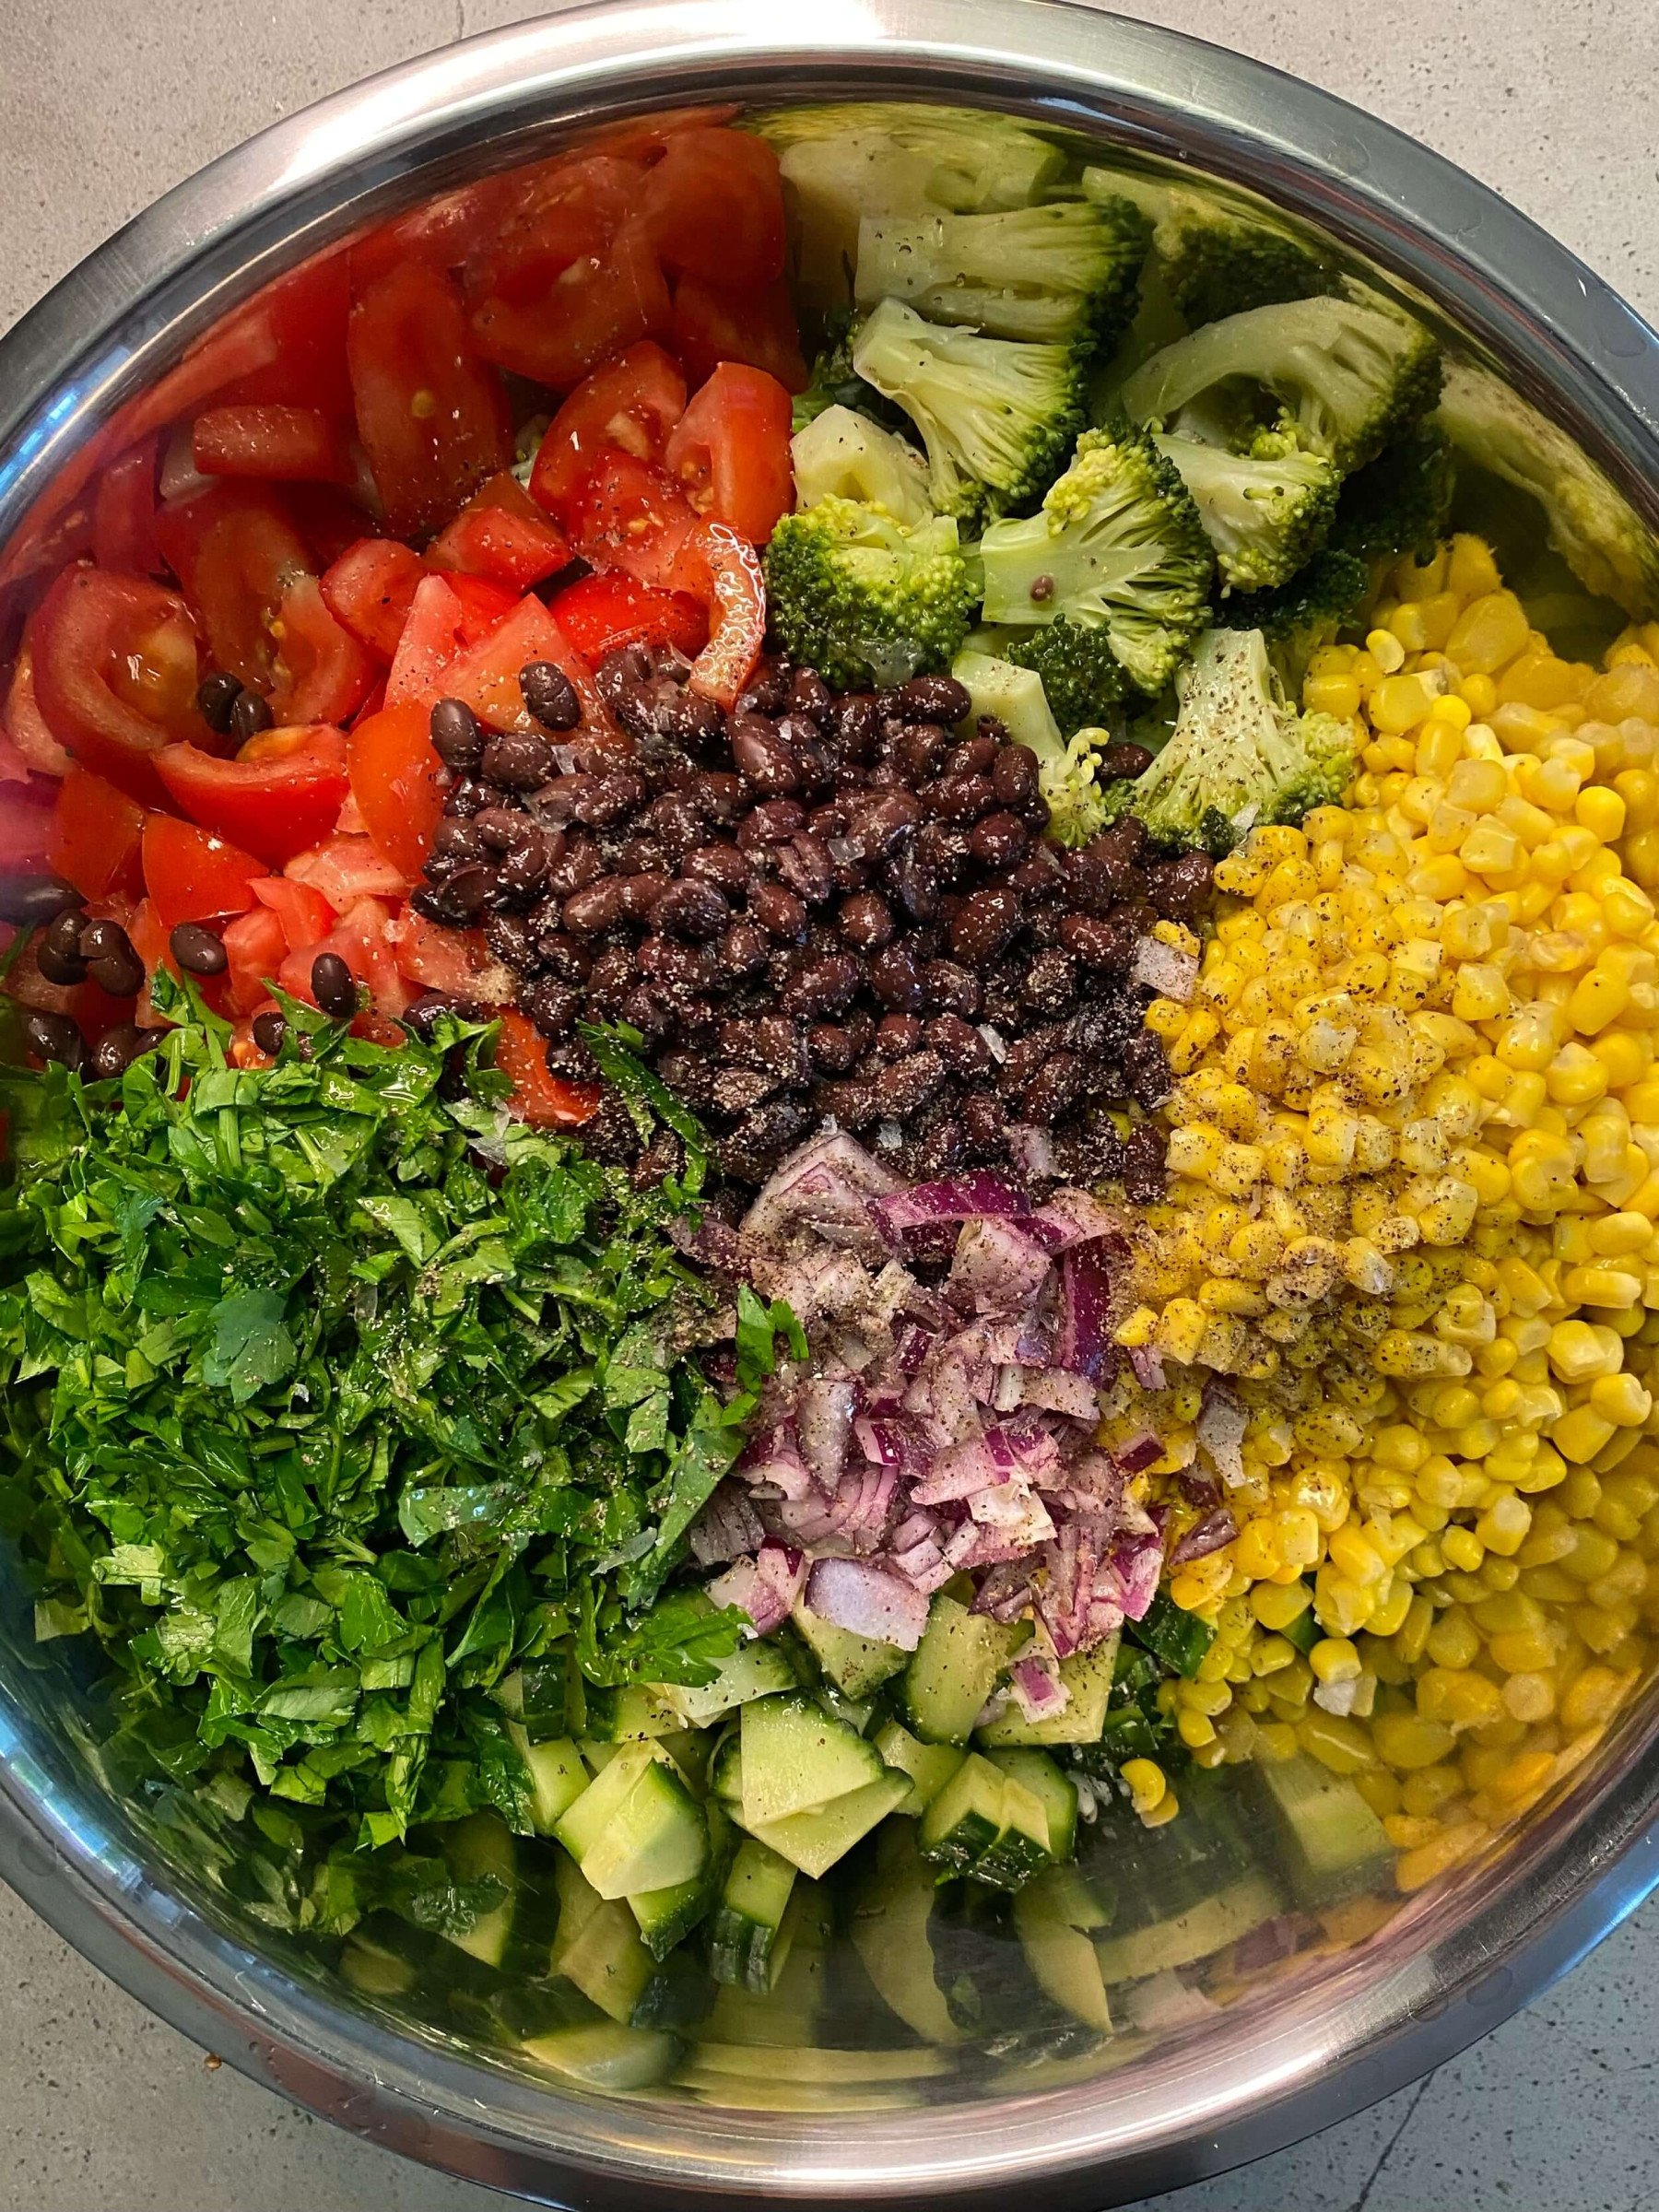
<point>729,452</point>
<point>346,867</point>
<point>370,589</point>
<point>96,835</point>
<point>600,613</point>
<point>599,303</point>
<point>123,512</point>
<point>430,640</point>
<point>397,781</point>
<point>282,793</point>
<point>713,207</point>
<point>304,913</point>
<point>486,674</point>
<point>235,550</point>
<point>560,213</point>
<point>24,723</point>
<point>272,442</point>
<point>737,600</point>
<point>362,939</point>
<point>321,674</point>
<point>432,416</point>
<point>192,877</point>
<point>632,517</point>
<point>715,322</point>
<point>539,1097</point>
<point>503,535</point>
<point>255,945</point>
<point>456,961</point>
<point>114,673</point>
<point>632,403</point>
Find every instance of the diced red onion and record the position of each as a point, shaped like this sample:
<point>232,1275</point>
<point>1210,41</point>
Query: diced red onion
<point>1086,1289</point>
<point>1074,1217</point>
<point>1038,1689</point>
<point>997,1266</point>
<point>1138,1450</point>
<point>867,1601</point>
<point>1147,1365</point>
<point>823,1419</point>
<point>1270,1942</point>
<point>776,1460</point>
<point>957,1199</point>
<point>1137,1565</point>
<point>1164,2002</point>
<point>727,1526</point>
<point>995,1042</point>
<point>1220,1432</point>
<point>764,1587</point>
<point>1212,1533</point>
<point>1073,1395</point>
<point>1163,968</point>
<point>1031,1150</point>
<point>829,1184</point>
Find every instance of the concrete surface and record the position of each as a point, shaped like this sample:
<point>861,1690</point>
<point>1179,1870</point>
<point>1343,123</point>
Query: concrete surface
<point>102,107</point>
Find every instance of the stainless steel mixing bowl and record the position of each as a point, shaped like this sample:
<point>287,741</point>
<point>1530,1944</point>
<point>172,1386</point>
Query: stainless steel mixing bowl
<point>1298,2052</point>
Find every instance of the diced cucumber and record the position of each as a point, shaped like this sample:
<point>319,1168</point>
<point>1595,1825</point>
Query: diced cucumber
<point>629,1714</point>
<point>813,1842</point>
<point>1088,1676</point>
<point>1022,1849</point>
<point>857,1713</point>
<point>557,1776</point>
<point>604,2055</point>
<point>966,1818</point>
<point>667,1916</point>
<point>787,2014</point>
<point>744,1938</point>
<point>856,1664</point>
<point>1171,1634</point>
<point>814,2063</point>
<point>1196,1934</point>
<point>755,1670</point>
<point>546,1696</point>
<point>796,1759</point>
<point>889,1933</point>
<point>598,1946</point>
<point>1054,1790</point>
<point>1304,1631</point>
<point>689,1748</point>
<point>636,1827</point>
<point>725,1770</point>
<point>1058,1951</point>
<point>929,1766</point>
<point>1332,1843</point>
<point>953,1670</point>
<point>479,1849</point>
<point>374,1968</point>
<point>1158,1874</point>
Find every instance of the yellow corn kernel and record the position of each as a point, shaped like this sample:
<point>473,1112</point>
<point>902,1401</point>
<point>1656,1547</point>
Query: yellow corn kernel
<point>1463,1549</point>
<point>1335,1659</point>
<point>1276,1606</point>
<point>1194,1729</point>
<point>1491,850</point>
<point>1416,1869</point>
<point>1340,1744</point>
<point>1405,1740</point>
<point>1148,1784</point>
<point>1530,1696</point>
<point>1503,1526</point>
<point>1578,1351</point>
<point>1621,1399</point>
<point>1601,812</point>
<point>1488,634</point>
<point>1614,1235</point>
<point>1593,1699</point>
<point>1612,1288</point>
<point>1480,993</point>
<point>1580,1433</point>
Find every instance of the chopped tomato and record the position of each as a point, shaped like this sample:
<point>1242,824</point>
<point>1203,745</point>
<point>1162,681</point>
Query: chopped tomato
<point>255,946</point>
<point>396,779</point>
<point>600,613</point>
<point>632,403</point>
<point>304,913</point>
<point>737,600</point>
<point>24,723</point>
<point>301,443</point>
<point>235,550</point>
<point>485,675</point>
<point>282,793</point>
<point>503,535</point>
<point>456,961</point>
<point>715,322</point>
<point>563,216</point>
<point>123,512</point>
<point>630,516</point>
<point>597,305</point>
<point>194,876</point>
<point>539,1097</point>
<point>321,672</point>
<point>369,588</point>
<point>432,416</point>
<point>713,207</point>
<point>430,640</point>
<point>483,603</point>
<point>301,320</point>
<point>344,868</point>
<point>360,937</point>
<point>730,450</point>
<point>96,834</point>
<point>114,674</point>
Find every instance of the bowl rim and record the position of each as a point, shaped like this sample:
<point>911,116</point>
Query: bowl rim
<point>1560,334</point>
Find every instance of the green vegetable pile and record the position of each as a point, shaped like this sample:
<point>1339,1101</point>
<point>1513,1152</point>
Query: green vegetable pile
<point>332,1398</point>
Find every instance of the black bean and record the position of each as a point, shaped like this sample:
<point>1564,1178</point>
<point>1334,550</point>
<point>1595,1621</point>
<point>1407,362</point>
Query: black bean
<point>1180,888</point>
<point>111,961</point>
<point>879,827</point>
<point>611,798</point>
<point>769,689</point>
<point>1123,759</point>
<point>216,695</point>
<point>269,1029</point>
<point>649,1009</point>
<point>1147,1074</point>
<point>1058,1084</point>
<point>518,760</point>
<point>983,1123</point>
<point>577,867</point>
<point>334,986</point>
<point>811,696</point>
<point>118,1047</point>
<point>464,797</point>
<point>897,1035</point>
<point>677,966</point>
<point>764,757</point>
<point>907,1085</point>
<point>985,925</point>
<point>895,980</point>
<point>691,909</point>
<point>596,908</point>
<point>249,713</point>
<point>1014,774</point>
<point>743,951</point>
<point>1121,848</point>
<point>853,1103</point>
<point>612,976</point>
<point>778,912</point>
<point>454,843</point>
<point>959,1046</point>
<point>65,969</point>
<point>63,935</point>
<point>465,894</point>
<point>920,750</point>
<point>832,1047</point>
<point>457,735</point>
<point>1051,983</point>
<point>620,670</point>
<point>866,920</point>
<point>549,695</point>
<point>856,727</point>
<point>510,939</point>
<point>824,985</point>
<point>720,865</point>
<point>735,1090</point>
<point>805,866</point>
<point>773,822</point>
<point>677,824</point>
<point>1000,841</point>
<point>718,797</point>
<point>197,949</point>
<point>943,1146</point>
<point>563,957</point>
<point>522,873</point>
<point>915,881</point>
<point>500,829</point>
<point>639,896</point>
<point>28,901</point>
<point>975,757</point>
<point>1144,1164</point>
<point>552,1006</point>
<point>421,1014</point>
<point>951,989</point>
<point>934,699</point>
<point>958,798</point>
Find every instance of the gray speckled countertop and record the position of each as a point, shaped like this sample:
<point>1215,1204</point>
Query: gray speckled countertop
<point>102,107</point>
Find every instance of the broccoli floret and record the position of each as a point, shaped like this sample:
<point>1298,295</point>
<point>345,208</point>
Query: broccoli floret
<point>836,383</point>
<point>1303,616</point>
<point>1064,273</point>
<point>841,164</point>
<point>996,415</point>
<point>1118,548</point>
<point>865,601</point>
<point>1082,677</point>
<point>1238,752</point>
<point>1218,257</point>
<point>1591,525</point>
<point>1080,806</point>
<point>843,455</point>
<point>1353,372</point>
<point>1401,503</point>
<point>1264,517</point>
